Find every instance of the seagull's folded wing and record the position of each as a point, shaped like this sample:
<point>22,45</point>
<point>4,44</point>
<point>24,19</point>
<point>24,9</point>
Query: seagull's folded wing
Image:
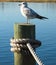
<point>29,13</point>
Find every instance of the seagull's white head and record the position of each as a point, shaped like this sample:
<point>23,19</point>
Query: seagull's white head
<point>23,4</point>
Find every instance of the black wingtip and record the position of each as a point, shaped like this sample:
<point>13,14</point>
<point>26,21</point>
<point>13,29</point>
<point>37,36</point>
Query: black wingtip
<point>44,18</point>
<point>41,17</point>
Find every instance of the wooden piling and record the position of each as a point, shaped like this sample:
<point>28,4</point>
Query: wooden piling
<point>24,31</point>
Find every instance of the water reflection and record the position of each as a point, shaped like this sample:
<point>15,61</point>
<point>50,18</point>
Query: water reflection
<point>2,6</point>
<point>47,5</point>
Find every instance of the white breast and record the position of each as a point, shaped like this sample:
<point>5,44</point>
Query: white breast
<point>23,12</point>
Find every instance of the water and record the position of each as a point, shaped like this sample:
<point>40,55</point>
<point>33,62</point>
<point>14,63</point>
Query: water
<point>45,30</point>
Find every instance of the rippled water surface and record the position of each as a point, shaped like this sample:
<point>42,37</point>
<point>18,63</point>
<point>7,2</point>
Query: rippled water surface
<point>45,30</point>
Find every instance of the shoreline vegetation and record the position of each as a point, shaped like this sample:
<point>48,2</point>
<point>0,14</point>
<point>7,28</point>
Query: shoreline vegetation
<point>27,0</point>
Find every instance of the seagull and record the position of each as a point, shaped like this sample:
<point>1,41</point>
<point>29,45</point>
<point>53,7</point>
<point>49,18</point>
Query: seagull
<point>29,13</point>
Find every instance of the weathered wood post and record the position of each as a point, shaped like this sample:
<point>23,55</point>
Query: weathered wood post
<point>24,31</point>
<point>23,45</point>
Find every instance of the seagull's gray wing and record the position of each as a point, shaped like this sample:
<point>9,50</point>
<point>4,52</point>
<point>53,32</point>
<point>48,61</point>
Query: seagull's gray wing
<point>29,13</point>
<point>32,14</point>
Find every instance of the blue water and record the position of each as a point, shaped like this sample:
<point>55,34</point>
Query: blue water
<point>45,31</point>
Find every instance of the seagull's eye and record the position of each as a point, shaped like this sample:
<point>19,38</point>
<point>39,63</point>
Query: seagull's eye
<point>23,3</point>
